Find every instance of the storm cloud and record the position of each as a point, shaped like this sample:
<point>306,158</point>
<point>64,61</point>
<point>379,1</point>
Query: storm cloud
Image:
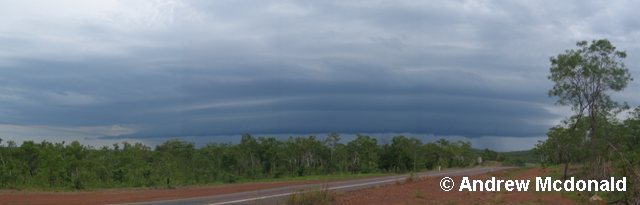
<point>147,70</point>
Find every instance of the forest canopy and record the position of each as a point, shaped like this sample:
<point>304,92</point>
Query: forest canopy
<point>55,166</point>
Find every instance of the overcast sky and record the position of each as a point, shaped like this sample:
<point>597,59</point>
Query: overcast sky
<point>207,71</point>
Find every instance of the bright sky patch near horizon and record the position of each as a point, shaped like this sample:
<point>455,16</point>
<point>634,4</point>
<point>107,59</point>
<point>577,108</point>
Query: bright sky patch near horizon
<point>103,71</point>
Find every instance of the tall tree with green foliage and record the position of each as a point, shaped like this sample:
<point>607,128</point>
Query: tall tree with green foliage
<point>584,80</point>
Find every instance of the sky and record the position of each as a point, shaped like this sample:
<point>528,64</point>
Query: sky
<point>104,71</point>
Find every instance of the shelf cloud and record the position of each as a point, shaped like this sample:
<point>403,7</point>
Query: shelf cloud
<point>146,70</point>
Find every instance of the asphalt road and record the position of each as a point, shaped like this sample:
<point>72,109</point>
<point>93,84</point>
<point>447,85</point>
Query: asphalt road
<point>276,195</point>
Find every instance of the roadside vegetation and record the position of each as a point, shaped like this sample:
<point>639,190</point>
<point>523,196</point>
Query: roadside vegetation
<point>427,191</point>
<point>513,158</point>
<point>595,138</point>
<point>73,166</point>
<point>322,196</point>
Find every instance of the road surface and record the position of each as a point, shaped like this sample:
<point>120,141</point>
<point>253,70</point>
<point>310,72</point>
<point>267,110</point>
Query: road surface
<point>276,195</point>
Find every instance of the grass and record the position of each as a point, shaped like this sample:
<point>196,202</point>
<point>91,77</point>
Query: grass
<point>316,197</point>
<point>411,177</point>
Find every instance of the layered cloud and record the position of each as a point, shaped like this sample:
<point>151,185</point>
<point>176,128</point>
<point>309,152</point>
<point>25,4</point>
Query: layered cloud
<point>158,69</point>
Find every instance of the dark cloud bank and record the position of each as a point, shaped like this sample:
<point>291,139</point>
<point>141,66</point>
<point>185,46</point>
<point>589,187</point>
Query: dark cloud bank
<point>209,71</point>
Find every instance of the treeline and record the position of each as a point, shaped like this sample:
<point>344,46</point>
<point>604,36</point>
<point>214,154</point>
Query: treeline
<point>512,158</point>
<point>57,166</point>
<point>569,143</point>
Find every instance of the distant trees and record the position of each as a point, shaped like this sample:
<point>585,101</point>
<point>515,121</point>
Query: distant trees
<point>173,163</point>
<point>488,154</point>
<point>363,153</point>
<point>401,154</point>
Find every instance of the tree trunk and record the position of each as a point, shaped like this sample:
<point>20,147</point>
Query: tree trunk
<point>566,167</point>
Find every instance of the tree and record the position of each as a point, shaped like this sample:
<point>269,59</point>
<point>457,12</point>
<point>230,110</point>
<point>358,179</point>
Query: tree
<point>432,155</point>
<point>363,154</point>
<point>488,154</point>
<point>402,154</point>
<point>271,156</point>
<point>174,159</point>
<point>248,148</point>
<point>564,144</point>
<point>332,142</point>
<point>628,154</point>
<point>584,79</point>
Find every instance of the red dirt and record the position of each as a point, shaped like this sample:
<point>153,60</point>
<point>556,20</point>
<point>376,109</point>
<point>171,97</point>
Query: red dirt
<point>422,191</point>
<point>132,195</point>
<point>427,191</point>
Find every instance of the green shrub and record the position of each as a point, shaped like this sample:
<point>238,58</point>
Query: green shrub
<point>316,197</point>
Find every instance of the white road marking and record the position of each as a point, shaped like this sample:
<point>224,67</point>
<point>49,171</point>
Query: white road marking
<point>331,188</point>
